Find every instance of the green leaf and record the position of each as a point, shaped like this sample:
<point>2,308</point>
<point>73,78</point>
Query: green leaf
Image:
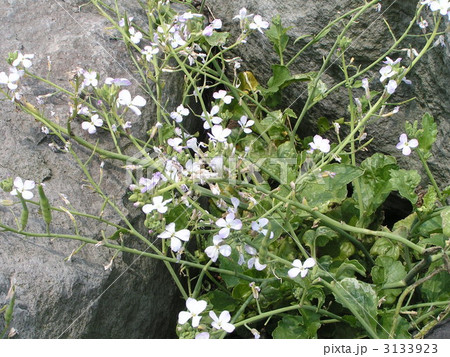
<point>347,269</point>
<point>445,215</point>
<point>405,182</point>
<point>323,125</point>
<point>375,183</point>
<point>241,291</point>
<point>386,321</point>
<point>388,270</point>
<point>360,296</point>
<point>217,38</point>
<point>298,327</point>
<point>277,35</point>
<point>220,300</point>
<point>316,293</point>
<point>427,134</point>
<point>385,247</point>
<point>317,91</point>
<point>322,192</point>
<point>429,200</point>
<point>438,287</point>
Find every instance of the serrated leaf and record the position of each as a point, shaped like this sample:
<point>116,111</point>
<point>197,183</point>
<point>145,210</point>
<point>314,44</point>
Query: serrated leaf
<point>361,296</point>
<point>405,182</point>
<point>427,134</point>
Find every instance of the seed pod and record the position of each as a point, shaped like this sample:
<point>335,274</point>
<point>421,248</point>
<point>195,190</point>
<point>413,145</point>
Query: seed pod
<point>24,215</point>
<point>10,309</point>
<point>45,207</point>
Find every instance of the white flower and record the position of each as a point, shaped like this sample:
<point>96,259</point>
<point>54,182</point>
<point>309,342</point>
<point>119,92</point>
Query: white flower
<point>24,59</point>
<point>300,268</point>
<point>202,336</point>
<point>117,81</point>
<point>423,24</point>
<point>125,99</point>
<point>219,134</point>
<point>254,261</point>
<point>391,86</point>
<point>180,113</point>
<point>405,146</point>
<point>222,94</point>
<point>158,204</point>
<point>10,80</point>
<point>440,5</point>
<point>230,222</point>
<point>213,251</point>
<point>90,79</point>
<point>211,115</point>
<point>222,322</point>
<point>175,144</point>
<point>319,144</point>
<point>246,124</point>
<point>122,21</point>
<point>194,309</point>
<point>259,225</point>
<point>175,236</point>
<point>24,188</point>
<point>91,126</point>
<point>259,24</point>
<point>149,51</point>
<point>135,36</point>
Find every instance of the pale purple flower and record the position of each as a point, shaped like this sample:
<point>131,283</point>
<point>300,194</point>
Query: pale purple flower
<point>158,204</point>
<point>211,116</point>
<point>254,260</point>
<point>405,146</point>
<point>230,222</point>
<point>320,144</point>
<point>125,99</point>
<point>217,248</point>
<point>23,188</point>
<point>391,86</point>
<point>242,15</point>
<point>300,268</point>
<point>91,126</point>
<point>176,237</point>
<point>222,322</point>
<point>215,25</point>
<point>135,36</point>
<point>202,336</point>
<point>258,226</point>
<point>195,308</point>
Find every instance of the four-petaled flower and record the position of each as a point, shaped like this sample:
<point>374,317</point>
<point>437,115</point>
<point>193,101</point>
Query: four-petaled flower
<point>222,322</point>
<point>254,260</point>
<point>125,99</point>
<point>135,36</point>
<point>179,113</point>
<point>149,52</point>
<point>319,144</point>
<point>219,134</point>
<point>175,236</point>
<point>91,126</point>
<point>158,204</point>
<point>300,268</point>
<point>10,80</point>
<point>211,115</point>
<point>175,144</point>
<point>259,24</point>
<point>215,25</point>
<point>90,79</point>
<point>258,226</point>
<point>194,309</point>
<point>24,188</point>
<point>213,251</point>
<point>405,146</point>
<point>222,94</point>
<point>246,124</point>
<point>230,222</point>
<point>24,59</point>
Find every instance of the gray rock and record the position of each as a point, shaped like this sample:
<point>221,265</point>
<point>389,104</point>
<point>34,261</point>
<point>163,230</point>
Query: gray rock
<point>370,39</point>
<point>56,298</point>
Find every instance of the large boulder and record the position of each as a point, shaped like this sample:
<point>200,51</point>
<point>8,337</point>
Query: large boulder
<point>78,298</point>
<point>371,38</point>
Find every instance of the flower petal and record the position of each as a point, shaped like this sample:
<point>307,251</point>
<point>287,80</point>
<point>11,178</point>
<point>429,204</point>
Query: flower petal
<point>183,317</point>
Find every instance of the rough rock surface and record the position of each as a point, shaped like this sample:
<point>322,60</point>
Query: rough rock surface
<point>77,299</point>
<point>370,39</point>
